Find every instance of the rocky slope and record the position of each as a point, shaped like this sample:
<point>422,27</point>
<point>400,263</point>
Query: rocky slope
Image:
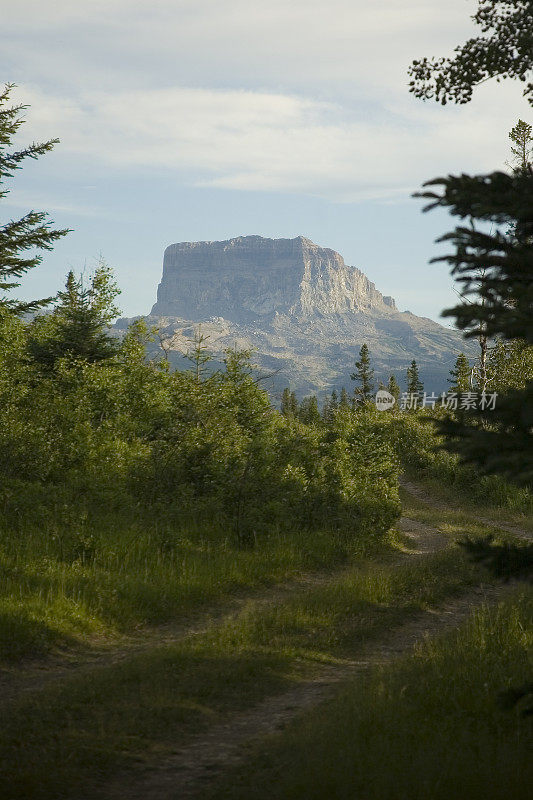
<point>300,307</point>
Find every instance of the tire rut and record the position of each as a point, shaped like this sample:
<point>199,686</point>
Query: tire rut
<point>17,680</point>
<point>195,767</point>
<point>417,491</point>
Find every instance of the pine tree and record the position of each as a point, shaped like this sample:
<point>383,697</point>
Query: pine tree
<point>293,405</point>
<point>499,440</point>
<point>522,151</point>
<point>393,388</point>
<point>199,355</point>
<point>326,410</point>
<point>78,326</point>
<point>414,384</point>
<point>286,402</point>
<point>344,402</point>
<point>308,412</point>
<point>460,375</point>
<point>365,375</point>
<point>331,404</point>
<point>32,231</point>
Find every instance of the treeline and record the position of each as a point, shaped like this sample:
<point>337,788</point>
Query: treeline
<point>85,413</point>
<point>503,366</point>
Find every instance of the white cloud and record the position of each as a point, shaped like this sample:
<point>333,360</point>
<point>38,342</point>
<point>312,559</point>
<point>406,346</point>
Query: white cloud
<point>300,97</point>
<point>273,142</point>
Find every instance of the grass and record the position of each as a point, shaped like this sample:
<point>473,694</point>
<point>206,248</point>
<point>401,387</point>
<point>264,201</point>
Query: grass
<point>426,727</point>
<point>119,569</point>
<point>493,496</point>
<point>455,520</point>
<point>72,735</point>
<point>122,569</point>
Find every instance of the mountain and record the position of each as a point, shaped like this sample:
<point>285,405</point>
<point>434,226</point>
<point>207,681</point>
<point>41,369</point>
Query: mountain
<point>300,307</point>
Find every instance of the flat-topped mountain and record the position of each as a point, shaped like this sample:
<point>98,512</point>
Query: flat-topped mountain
<point>300,307</point>
<point>250,276</point>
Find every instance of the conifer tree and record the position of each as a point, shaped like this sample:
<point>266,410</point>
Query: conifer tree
<point>293,405</point>
<point>364,374</point>
<point>522,148</point>
<point>500,439</point>
<point>308,411</point>
<point>460,375</point>
<point>78,326</point>
<point>326,410</point>
<point>19,239</point>
<point>393,388</point>
<point>286,402</point>
<point>344,402</point>
<point>199,355</point>
<point>414,384</point>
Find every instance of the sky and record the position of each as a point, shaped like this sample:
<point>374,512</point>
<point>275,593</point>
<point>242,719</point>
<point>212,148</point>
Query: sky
<point>188,120</point>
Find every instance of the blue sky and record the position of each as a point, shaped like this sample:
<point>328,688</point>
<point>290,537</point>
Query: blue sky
<point>202,120</point>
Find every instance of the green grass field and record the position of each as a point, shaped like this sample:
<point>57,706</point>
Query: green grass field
<point>74,734</point>
<point>426,727</point>
<point>86,727</point>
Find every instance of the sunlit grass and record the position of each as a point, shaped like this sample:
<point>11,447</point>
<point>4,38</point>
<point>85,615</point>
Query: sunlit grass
<point>427,727</point>
<point>70,735</point>
<point>123,571</point>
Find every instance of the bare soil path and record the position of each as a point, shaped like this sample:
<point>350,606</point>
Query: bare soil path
<point>420,494</point>
<point>189,772</point>
<point>34,675</point>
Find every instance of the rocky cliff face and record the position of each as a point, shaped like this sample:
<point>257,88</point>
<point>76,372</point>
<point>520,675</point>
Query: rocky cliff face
<point>303,311</point>
<point>250,277</point>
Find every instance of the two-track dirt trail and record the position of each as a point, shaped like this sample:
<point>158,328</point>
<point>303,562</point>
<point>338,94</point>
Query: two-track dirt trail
<point>18,680</point>
<point>189,772</point>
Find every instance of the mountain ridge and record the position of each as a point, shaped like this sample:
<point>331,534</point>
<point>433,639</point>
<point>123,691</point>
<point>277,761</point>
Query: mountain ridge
<point>300,307</point>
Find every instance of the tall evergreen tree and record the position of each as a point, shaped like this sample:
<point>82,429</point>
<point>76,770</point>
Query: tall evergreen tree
<point>521,137</point>
<point>286,402</point>
<point>78,326</point>
<point>393,388</point>
<point>293,405</point>
<point>499,439</point>
<point>460,375</point>
<point>364,374</point>
<point>199,355</point>
<point>19,239</point>
<point>344,401</point>
<point>414,384</point>
<point>308,411</point>
<point>326,410</point>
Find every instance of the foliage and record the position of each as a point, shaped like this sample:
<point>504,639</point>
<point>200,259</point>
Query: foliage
<point>503,297</point>
<point>414,384</point>
<point>460,374</point>
<point>393,388</point>
<point>78,326</point>
<point>364,374</point>
<point>502,560</point>
<point>423,454</point>
<point>30,232</point>
<point>499,440</point>
<point>522,148</point>
<point>505,50</point>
